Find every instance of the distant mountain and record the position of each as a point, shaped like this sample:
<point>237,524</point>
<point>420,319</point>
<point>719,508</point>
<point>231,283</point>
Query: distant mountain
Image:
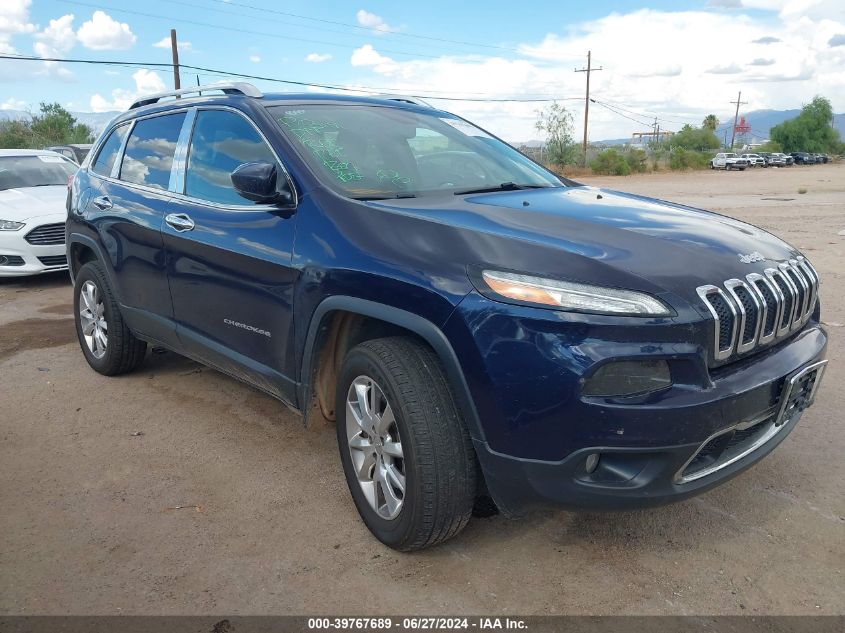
<point>760,121</point>
<point>96,120</point>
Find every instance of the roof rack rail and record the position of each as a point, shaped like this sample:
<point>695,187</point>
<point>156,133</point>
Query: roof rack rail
<point>229,88</point>
<point>404,99</point>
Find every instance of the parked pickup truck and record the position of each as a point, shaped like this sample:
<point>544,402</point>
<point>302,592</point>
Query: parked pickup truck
<point>475,326</point>
<point>728,161</point>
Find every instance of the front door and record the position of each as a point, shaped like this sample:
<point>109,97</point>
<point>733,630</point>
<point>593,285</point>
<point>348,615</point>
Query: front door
<point>230,260</point>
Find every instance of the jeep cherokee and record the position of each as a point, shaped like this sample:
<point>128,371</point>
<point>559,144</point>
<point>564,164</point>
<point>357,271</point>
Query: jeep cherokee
<point>476,326</point>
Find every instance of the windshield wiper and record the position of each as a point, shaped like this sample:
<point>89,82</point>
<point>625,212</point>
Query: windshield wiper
<point>505,186</point>
<point>393,196</point>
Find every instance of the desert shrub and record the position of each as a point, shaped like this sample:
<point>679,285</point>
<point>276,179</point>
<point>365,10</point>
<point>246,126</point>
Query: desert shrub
<point>610,162</point>
<point>682,159</point>
<point>637,160</point>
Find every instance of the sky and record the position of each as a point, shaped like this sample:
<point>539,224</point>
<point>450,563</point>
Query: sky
<point>675,60</point>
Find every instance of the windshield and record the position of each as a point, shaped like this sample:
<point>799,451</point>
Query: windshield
<point>17,172</point>
<point>369,152</point>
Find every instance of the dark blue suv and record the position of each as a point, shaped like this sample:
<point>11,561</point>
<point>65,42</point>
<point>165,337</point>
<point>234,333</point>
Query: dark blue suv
<point>478,327</point>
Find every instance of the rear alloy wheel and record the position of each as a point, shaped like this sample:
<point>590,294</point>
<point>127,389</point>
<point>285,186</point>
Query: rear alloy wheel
<point>406,453</point>
<point>106,341</point>
<point>93,321</point>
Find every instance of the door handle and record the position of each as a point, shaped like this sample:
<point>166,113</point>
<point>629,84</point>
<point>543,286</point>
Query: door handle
<point>103,203</point>
<point>179,221</point>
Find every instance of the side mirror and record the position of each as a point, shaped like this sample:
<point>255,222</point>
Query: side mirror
<point>257,182</point>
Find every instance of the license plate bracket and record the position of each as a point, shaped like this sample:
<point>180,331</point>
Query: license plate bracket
<point>799,391</point>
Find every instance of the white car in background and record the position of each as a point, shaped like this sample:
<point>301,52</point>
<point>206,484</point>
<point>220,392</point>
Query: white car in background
<point>754,160</point>
<point>33,190</point>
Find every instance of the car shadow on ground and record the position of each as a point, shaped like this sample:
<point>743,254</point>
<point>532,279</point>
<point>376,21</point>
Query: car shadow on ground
<point>44,281</point>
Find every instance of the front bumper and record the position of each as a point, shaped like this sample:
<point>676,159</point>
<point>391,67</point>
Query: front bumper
<point>630,478</point>
<point>538,429</point>
<point>19,258</point>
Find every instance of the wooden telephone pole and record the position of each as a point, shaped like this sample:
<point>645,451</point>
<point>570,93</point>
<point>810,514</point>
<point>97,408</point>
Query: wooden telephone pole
<point>174,48</point>
<point>587,70</point>
<point>738,103</point>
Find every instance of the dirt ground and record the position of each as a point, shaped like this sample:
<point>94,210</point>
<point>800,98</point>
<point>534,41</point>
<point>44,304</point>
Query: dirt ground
<point>92,468</point>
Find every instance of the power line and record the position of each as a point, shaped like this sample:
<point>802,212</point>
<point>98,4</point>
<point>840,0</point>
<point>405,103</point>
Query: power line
<point>215,71</point>
<point>612,109</point>
<point>368,29</point>
<point>244,31</point>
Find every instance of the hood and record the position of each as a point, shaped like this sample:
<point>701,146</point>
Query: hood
<point>32,202</point>
<point>663,245</point>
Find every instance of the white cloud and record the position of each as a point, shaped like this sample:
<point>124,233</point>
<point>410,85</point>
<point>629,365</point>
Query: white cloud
<point>184,46</point>
<point>660,63</point>
<point>104,33</point>
<point>146,82</point>
<point>317,58</point>
<point>14,20</point>
<point>13,104</point>
<point>57,38</point>
<point>255,59</point>
<point>367,56</point>
<point>374,22</point>
<point>54,41</point>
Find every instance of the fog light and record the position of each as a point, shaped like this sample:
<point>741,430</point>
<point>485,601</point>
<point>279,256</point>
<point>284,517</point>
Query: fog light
<point>628,378</point>
<point>592,462</point>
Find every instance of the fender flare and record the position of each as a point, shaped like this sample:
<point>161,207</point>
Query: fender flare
<point>420,326</point>
<point>76,238</point>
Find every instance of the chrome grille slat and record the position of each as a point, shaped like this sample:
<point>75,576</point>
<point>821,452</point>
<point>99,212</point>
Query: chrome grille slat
<point>769,306</point>
<point>705,292</point>
<point>747,314</point>
<point>46,235</point>
<point>761,308</point>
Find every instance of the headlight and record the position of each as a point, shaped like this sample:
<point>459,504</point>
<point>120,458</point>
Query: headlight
<point>8,225</point>
<point>568,295</point>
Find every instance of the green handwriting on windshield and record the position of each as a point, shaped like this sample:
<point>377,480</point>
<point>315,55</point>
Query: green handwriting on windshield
<point>312,134</point>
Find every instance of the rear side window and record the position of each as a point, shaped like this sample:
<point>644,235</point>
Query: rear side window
<point>221,142</point>
<point>150,149</point>
<point>108,154</point>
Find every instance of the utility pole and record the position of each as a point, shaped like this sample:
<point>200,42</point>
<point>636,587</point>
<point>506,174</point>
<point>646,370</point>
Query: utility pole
<point>587,70</point>
<point>175,50</point>
<point>656,130</point>
<point>738,103</point>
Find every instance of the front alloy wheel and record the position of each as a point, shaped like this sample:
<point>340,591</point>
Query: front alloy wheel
<point>375,447</point>
<point>406,453</point>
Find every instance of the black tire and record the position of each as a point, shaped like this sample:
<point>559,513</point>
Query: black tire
<point>438,457</point>
<point>123,351</point>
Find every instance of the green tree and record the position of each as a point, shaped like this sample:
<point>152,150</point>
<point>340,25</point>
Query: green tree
<point>695,138</point>
<point>811,131</point>
<point>556,122</point>
<point>710,122</point>
<point>16,135</point>
<point>52,126</point>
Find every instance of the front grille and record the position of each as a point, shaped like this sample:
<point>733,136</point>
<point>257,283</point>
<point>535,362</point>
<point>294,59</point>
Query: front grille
<point>54,260</point>
<point>11,260</point>
<point>761,308</point>
<point>47,235</point>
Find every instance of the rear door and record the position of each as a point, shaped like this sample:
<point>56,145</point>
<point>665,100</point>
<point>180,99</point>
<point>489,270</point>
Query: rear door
<point>229,259</point>
<point>128,208</point>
